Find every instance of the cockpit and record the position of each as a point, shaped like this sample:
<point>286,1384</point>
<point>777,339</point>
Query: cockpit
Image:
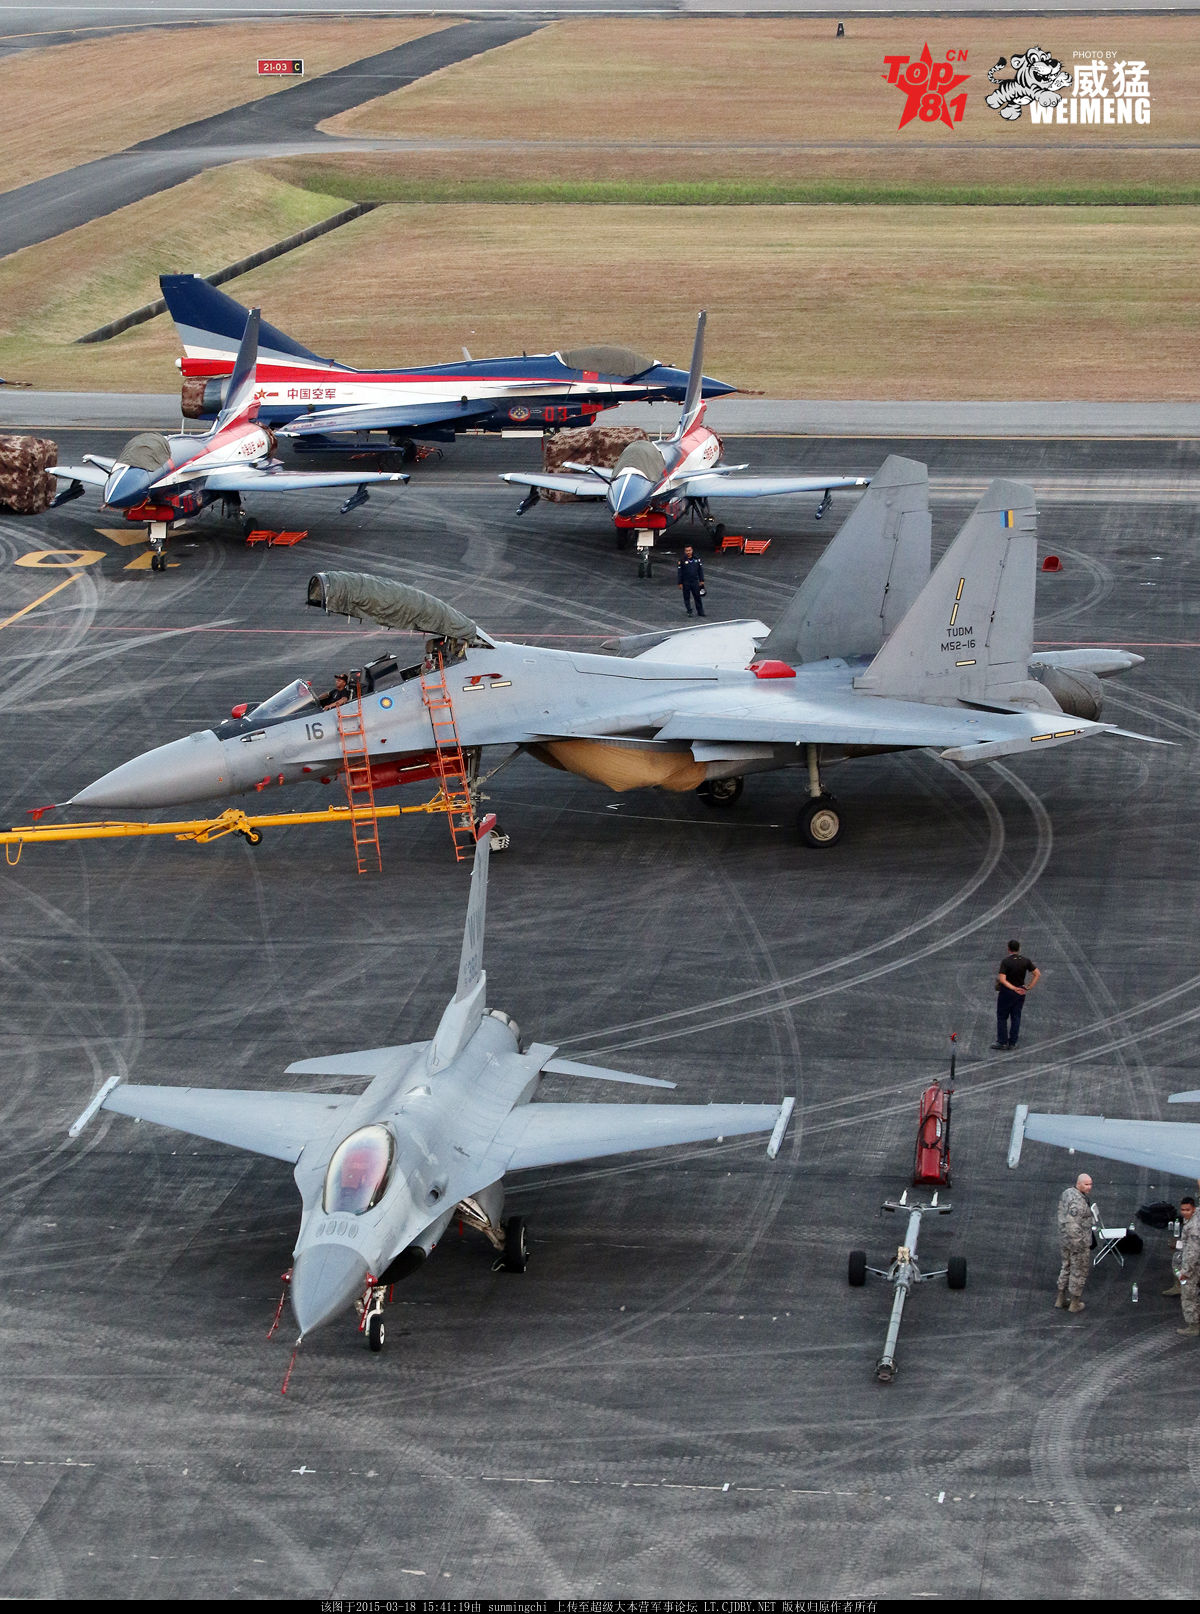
<point>359,1170</point>
<point>301,696</point>
<point>298,696</point>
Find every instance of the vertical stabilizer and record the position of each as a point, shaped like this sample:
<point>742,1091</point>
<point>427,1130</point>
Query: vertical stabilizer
<point>239,397</point>
<point>868,577</point>
<point>464,1011</point>
<point>210,325</point>
<point>693,399</point>
<point>969,634</point>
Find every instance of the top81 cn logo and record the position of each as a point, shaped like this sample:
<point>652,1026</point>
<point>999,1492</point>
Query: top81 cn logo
<point>927,84</point>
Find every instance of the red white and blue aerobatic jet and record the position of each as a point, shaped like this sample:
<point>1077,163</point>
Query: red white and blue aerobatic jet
<point>654,483</point>
<point>328,406</point>
<point>160,480</point>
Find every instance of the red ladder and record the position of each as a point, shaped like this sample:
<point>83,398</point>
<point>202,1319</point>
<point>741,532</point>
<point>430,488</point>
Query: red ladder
<point>360,793</point>
<point>449,763</point>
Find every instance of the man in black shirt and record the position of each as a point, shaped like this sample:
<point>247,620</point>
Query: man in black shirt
<point>1010,994</point>
<point>691,581</point>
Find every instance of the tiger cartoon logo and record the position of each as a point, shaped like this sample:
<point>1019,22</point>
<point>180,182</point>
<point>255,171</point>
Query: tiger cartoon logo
<point>1037,77</point>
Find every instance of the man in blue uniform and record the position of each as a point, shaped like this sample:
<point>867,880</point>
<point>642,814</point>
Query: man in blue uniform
<point>691,581</point>
<point>1010,994</point>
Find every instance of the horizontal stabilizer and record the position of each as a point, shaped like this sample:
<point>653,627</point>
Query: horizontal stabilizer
<point>1158,1145</point>
<point>554,1134</point>
<point>596,1073</point>
<point>1192,1096</point>
<point>868,576</point>
<point>969,633</point>
<point>274,1124</point>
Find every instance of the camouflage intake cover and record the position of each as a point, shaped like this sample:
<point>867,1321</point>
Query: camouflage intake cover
<point>25,486</point>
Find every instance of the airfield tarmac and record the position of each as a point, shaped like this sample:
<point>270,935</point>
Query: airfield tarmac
<point>677,1398</point>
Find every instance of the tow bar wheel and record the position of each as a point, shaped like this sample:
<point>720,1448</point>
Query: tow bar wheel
<point>856,1274</point>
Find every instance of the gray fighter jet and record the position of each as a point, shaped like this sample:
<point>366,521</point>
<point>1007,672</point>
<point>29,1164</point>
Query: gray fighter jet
<point>872,654</point>
<point>428,1142</point>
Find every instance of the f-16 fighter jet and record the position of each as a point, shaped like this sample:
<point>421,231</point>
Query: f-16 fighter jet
<point>324,400</point>
<point>160,480</point>
<point>653,484</point>
<point>429,1141</point>
<point>872,654</point>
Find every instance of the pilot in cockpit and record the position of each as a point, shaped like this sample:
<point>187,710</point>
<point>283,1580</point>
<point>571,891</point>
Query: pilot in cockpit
<point>340,692</point>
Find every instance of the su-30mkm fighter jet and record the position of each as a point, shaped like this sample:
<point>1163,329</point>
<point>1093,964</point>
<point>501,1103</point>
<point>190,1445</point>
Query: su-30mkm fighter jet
<point>159,480</point>
<point>429,1141</point>
<point>872,654</point>
<point>653,484</point>
<point>324,400</point>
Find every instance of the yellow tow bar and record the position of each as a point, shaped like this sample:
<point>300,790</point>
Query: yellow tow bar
<point>202,830</point>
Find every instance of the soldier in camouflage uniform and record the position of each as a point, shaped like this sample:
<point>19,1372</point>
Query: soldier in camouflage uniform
<point>1075,1237</point>
<point>1189,1276</point>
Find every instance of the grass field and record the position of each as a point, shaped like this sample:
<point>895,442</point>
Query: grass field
<point>838,302</point>
<point>780,108</point>
<point>72,103</point>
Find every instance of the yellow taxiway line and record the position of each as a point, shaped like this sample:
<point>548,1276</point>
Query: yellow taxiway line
<point>32,606</point>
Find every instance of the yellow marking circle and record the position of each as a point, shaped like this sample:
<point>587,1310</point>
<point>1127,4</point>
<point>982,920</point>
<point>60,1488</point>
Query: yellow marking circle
<point>60,557</point>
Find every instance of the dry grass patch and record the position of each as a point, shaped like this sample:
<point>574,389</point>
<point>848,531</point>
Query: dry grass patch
<point>52,293</point>
<point>71,103</point>
<point>577,87</point>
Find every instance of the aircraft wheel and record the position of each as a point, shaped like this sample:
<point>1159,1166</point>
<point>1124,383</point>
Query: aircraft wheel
<point>376,1331</point>
<point>821,822</point>
<point>856,1273</point>
<point>956,1272</point>
<point>158,562</point>
<point>718,535</point>
<point>643,569</point>
<point>624,537</point>
<point>516,1249</point>
<point>721,792</point>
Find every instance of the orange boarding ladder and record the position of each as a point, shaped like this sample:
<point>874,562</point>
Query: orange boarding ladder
<point>360,793</point>
<point>449,762</point>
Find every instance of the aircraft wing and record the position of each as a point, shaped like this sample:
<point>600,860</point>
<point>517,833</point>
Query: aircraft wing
<point>383,417</point>
<point>583,487</point>
<point>710,486</point>
<point>552,1134</point>
<point>1161,1145</point>
<point>91,474</point>
<point>250,479</point>
<point>274,1124</point>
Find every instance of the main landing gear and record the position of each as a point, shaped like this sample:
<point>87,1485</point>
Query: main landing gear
<point>821,816</point>
<point>699,511</point>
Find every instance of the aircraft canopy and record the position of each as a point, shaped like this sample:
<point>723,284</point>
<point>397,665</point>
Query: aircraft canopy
<point>604,360</point>
<point>391,604</point>
<point>359,1170</point>
<point>146,452</point>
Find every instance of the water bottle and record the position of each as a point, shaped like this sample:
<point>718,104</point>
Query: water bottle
<point>1135,1294</point>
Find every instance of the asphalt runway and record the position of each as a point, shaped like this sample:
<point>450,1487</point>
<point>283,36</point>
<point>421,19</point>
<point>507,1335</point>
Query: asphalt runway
<point>677,1398</point>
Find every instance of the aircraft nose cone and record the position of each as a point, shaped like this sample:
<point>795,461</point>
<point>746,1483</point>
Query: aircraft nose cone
<point>125,487</point>
<point>326,1279</point>
<point>192,769</point>
<point>628,492</point>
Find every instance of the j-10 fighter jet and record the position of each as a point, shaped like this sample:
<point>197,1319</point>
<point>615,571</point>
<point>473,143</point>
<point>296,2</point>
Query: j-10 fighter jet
<point>159,480</point>
<point>653,484</point>
<point>429,1141</point>
<point>872,654</point>
<point>324,401</point>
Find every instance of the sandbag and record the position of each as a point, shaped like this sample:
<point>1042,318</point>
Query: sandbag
<point>587,445</point>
